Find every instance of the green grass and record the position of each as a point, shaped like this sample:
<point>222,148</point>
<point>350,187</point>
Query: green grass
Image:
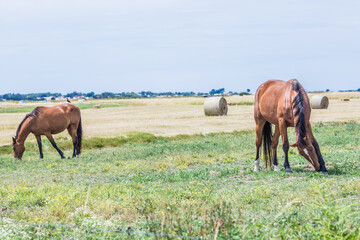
<point>16,109</point>
<point>27,109</point>
<point>65,142</point>
<point>199,185</point>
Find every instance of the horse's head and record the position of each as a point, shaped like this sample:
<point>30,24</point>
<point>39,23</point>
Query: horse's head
<point>308,151</point>
<point>18,148</point>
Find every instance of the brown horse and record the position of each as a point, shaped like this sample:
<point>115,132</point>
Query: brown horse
<point>284,104</point>
<point>47,121</point>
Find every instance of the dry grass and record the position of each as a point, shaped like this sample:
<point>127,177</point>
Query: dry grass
<point>173,116</point>
<point>338,95</point>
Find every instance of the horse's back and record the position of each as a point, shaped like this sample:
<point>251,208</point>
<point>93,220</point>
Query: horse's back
<point>72,112</point>
<point>69,108</point>
<point>273,100</point>
<point>275,87</point>
<point>56,119</point>
<point>62,109</point>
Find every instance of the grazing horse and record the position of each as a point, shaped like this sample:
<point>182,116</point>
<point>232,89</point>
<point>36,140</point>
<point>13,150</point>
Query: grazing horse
<point>284,104</point>
<point>47,121</point>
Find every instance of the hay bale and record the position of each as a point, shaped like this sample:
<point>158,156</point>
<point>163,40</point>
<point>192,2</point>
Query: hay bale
<point>215,106</point>
<point>345,99</point>
<point>97,106</point>
<point>319,102</point>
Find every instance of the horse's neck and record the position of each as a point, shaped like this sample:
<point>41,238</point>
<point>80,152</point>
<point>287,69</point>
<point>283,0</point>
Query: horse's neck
<point>24,131</point>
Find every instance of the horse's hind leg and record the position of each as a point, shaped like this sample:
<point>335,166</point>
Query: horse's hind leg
<point>72,132</point>
<point>38,139</point>
<point>275,142</point>
<point>259,128</point>
<point>51,139</point>
<point>284,137</point>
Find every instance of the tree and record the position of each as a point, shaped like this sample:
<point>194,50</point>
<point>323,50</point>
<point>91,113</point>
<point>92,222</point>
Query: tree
<point>90,94</point>
<point>107,95</point>
<point>219,91</point>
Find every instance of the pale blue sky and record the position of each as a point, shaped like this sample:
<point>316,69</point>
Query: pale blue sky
<point>183,45</point>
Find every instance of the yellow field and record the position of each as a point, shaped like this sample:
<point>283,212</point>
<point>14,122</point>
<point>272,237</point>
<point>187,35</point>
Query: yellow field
<point>173,116</point>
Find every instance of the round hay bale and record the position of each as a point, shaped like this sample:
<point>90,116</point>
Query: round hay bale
<point>215,106</point>
<point>319,102</point>
<point>97,106</point>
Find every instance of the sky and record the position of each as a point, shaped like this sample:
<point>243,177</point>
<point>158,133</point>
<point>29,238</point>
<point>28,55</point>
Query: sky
<point>177,45</point>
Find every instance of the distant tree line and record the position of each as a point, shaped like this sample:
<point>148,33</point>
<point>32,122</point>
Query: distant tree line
<point>350,90</point>
<point>142,94</point>
<point>29,96</point>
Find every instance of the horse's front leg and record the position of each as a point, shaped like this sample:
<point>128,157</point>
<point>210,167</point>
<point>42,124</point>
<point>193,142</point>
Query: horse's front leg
<point>275,142</point>
<point>320,158</point>
<point>38,139</point>
<point>51,139</point>
<point>284,137</point>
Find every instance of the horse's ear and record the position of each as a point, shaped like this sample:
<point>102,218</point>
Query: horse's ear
<point>14,141</point>
<point>294,145</point>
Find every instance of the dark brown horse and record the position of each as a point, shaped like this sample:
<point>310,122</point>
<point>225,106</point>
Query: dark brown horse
<point>284,104</point>
<point>47,121</point>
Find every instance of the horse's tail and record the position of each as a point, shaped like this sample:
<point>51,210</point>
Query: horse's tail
<point>79,137</point>
<point>267,141</point>
<point>298,110</point>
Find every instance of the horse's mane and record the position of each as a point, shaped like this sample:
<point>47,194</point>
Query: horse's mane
<point>299,111</point>
<point>34,113</point>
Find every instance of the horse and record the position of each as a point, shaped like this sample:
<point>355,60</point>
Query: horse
<point>47,121</point>
<point>284,104</point>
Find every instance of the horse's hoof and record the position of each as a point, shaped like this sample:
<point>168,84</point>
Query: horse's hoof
<point>256,169</point>
<point>276,168</point>
<point>288,170</point>
<point>325,173</point>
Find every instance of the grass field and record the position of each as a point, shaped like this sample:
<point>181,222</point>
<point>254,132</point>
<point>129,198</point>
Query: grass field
<point>199,185</point>
<point>160,167</point>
